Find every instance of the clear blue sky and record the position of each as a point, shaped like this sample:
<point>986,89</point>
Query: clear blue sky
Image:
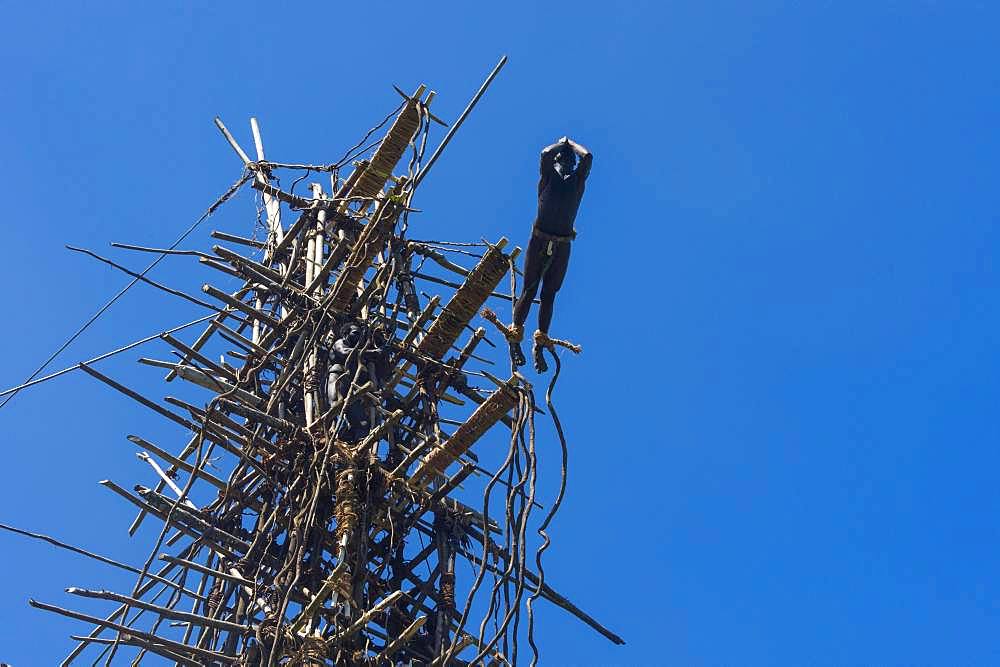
<point>784,423</point>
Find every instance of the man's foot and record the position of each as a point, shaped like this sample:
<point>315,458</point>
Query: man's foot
<point>539,354</point>
<point>517,355</point>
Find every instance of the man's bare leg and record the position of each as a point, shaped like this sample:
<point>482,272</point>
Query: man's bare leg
<point>534,266</point>
<point>552,280</point>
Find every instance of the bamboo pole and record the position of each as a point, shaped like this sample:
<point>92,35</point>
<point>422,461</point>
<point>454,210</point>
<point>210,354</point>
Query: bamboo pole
<point>271,206</point>
<point>403,637</point>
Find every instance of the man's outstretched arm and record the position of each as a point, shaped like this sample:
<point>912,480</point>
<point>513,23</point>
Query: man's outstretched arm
<point>547,163</point>
<point>580,150</point>
<point>586,157</point>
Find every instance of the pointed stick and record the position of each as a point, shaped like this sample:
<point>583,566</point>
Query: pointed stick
<point>232,238</point>
<point>317,601</point>
<point>232,141</point>
<point>336,257</point>
<point>207,332</point>
<point>293,233</point>
<point>261,273</point>
<point>403,637</point>
<point>106,355</point>
<point>176,462</point>
<point>364,619</point>
<point>139,398</point>
<point>236,339</point>
<point>193,518</point>
<point>128,640</point>
<point>219,266</point>
<point>139,276</point>
<point>145,588</point>
<point>97,557</point>
<point>190,448</point>
<point>143,456</point>
<point>276,423</point>
<point>165,612</point>
<point>218,420</point>
<point>199,357</point>
<point>552,596</point>
<point>458,123</point>
<point>124,629</point>
<point>158,513</point>
<point>198,567</point>
<point>203,379</point>
<point>239,305</point>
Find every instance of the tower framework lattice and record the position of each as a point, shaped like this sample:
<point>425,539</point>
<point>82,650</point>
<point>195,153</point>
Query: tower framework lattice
<point>344,409</point>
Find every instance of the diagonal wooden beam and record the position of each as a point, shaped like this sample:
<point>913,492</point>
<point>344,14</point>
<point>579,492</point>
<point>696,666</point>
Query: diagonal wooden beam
<point>466,302</point>
<point>485,416</point>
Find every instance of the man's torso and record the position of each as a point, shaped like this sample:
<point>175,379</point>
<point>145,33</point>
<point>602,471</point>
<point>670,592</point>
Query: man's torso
<point>558,201</point>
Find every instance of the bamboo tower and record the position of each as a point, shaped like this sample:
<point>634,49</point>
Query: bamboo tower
<point>332,528</point>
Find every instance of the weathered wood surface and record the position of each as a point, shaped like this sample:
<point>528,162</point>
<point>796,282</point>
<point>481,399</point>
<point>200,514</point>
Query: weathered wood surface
<point>466,302</point>
<point>485,416</point>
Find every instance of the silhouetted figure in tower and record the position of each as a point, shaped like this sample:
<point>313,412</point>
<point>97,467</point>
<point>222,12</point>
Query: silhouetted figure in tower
<point>356,346</point>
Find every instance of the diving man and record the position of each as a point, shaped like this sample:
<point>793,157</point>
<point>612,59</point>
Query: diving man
<point>560,190</point>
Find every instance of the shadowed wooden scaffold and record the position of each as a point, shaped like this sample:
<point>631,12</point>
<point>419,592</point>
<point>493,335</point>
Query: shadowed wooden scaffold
<point>327,529</point>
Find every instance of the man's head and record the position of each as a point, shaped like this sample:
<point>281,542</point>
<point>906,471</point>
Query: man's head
<point>351,334</point>
<point>565,159</point>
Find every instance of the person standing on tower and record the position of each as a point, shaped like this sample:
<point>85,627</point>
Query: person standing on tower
<point>565,166</point>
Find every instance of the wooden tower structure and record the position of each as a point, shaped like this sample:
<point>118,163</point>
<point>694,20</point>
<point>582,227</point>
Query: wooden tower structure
<point>342,416</point>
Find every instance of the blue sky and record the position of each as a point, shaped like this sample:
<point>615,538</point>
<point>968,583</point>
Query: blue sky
<point>784,423</point>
